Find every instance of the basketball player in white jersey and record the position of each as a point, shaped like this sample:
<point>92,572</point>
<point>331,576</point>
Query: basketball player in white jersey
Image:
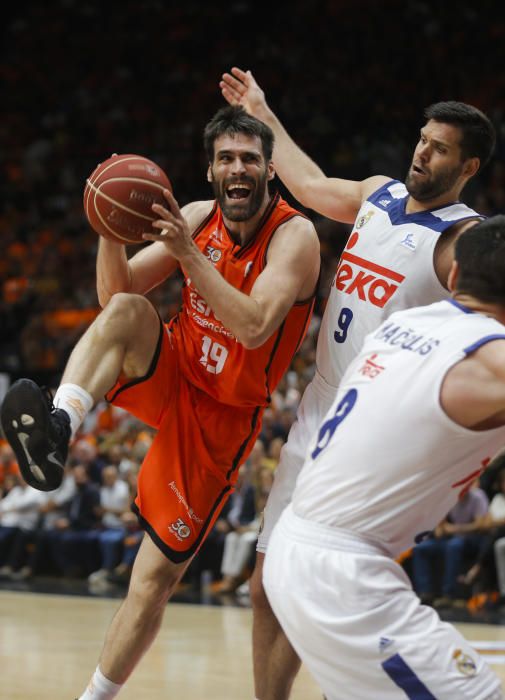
<point>398,255</point>
<point>420,406</point>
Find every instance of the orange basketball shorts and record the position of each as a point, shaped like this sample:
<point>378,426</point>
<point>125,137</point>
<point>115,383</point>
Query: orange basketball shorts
<point>192,465</point>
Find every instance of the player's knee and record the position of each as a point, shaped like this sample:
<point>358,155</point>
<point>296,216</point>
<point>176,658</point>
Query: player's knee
<point>126,313</point>
<point>129,307</point>
<point>150,593</point>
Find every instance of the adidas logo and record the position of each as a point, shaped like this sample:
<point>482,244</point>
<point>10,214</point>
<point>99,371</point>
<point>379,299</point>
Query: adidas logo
<point>385,643</point>
<point>384,202</point>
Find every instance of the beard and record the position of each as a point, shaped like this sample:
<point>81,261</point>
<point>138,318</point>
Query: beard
<point>433,186</point>
<point>242,210</point>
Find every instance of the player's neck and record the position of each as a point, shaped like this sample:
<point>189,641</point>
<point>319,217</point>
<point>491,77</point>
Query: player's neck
<point>414,205</point>
<point>486,308</point>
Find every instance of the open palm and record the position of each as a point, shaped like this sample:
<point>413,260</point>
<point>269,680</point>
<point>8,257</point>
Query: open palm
<point>240,88</point>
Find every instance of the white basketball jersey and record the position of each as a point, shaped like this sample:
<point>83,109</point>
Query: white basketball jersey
<point>388,463</point>
<point>387,265</point>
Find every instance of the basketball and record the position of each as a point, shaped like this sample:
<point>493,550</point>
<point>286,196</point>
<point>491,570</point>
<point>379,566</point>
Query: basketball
<point>119,194</point>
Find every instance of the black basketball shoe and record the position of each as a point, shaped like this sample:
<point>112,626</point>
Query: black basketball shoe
<point>38,433</point>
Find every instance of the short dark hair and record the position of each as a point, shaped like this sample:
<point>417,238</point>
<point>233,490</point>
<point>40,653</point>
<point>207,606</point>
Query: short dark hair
<point>480,254</point>
<point>479,135</point>
<point>232,120</point>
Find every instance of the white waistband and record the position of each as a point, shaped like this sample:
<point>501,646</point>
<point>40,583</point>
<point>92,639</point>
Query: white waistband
<point>308,531</point>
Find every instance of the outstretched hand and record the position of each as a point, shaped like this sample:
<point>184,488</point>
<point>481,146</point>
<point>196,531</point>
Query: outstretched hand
<point>240,88</point>
<point>174,229</point>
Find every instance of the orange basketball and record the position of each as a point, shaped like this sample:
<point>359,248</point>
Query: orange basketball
<point>119,194</point>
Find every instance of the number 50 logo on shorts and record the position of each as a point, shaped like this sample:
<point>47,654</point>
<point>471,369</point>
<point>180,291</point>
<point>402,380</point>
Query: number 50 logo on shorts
<point>180,529</point>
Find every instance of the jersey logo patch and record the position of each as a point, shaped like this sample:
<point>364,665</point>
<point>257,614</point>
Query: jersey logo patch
<point>385,643</point>
<point>371,282</point>
<point>364,219</point>
<point>180,529</point>
<point>370,367</point>
<point>465,664</point>
<point>213,254</point>
<point>409,241</point>
<point>384,202</point>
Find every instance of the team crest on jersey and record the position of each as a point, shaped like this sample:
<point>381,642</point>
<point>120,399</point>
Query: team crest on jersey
<point>214,254</point>
<point>409,241</point>
<point>364,219</point>
<point>465,664</point>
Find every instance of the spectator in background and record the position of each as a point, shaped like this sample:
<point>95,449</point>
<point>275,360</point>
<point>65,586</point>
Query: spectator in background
<point>30,547</point>
<point>238,510</point>
<point>19,513</point>
<point>9,482</point>
<point>85,452</point>
<point>263,480</point>
<point>258,454</point>
<point>73,541</point>
<point>133,534</point>
<point>244,523</point>
<point>273,453</point>
<point>243,506</point>
<point>492,529</point>
<point>114,503</point>
<point>8,464</point>
<point>454,539</point>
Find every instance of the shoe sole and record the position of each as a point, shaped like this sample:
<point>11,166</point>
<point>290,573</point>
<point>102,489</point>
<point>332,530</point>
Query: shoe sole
<point>25,422</point>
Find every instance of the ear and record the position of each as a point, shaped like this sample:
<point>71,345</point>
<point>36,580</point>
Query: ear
<point>271,171</point>
<point>210,177</point>
<point>471,167</point>
<point>453,276</point>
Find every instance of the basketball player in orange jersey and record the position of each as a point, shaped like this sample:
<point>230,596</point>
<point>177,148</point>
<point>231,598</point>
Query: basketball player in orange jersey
<point>398,256</point>
<point>250,265</point>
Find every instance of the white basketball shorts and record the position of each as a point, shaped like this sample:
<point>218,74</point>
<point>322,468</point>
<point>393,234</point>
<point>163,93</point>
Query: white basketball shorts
<point>351,614</point>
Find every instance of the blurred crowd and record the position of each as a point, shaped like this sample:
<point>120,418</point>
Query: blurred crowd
<point>86,79</point>
<point>461,564</point>
<point>86,529</point>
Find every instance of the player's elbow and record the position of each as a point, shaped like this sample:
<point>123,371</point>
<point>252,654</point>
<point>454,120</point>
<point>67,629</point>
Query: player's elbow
<point>253,336</point>
<point>250,340</point>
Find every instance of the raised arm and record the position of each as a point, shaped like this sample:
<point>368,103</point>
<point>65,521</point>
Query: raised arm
<point>290,274</point>
<point>146,269</point>
<point>333,197</point>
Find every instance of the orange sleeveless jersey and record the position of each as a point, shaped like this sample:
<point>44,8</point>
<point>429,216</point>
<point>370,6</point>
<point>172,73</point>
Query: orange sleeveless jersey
<point>213,359</point>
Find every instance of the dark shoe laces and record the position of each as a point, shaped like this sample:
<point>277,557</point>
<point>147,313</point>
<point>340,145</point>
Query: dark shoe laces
<point>48,395</point>
<point>61,419</point>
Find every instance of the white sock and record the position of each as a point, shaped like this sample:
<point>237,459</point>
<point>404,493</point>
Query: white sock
<point>100,688</point>
<point>76,402</point>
